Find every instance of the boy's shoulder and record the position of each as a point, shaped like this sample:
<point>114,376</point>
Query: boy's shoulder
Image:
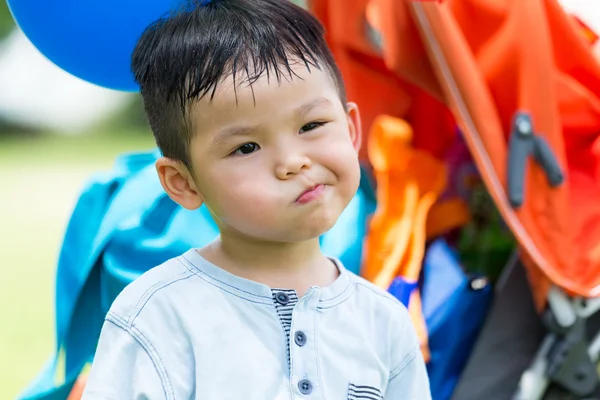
<point>376,296</point>
<point>376,304</point>
<point>164,281</point>
<point>386,318</point>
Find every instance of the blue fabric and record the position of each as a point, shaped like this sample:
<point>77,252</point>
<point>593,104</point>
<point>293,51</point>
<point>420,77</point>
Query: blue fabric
<point>402,289</point>
<point>454,314</point>
<point>124,224</point>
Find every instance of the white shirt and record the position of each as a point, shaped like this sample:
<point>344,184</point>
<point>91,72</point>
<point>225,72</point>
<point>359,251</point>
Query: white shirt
<point>189,330</point>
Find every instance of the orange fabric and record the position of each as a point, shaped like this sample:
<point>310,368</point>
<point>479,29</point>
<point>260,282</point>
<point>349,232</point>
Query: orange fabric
<point>415,308</point>
<point>78,388</point>
<point>518,55</point>
<point>409,181</point>
<point>368,81</point>
<point>590,35</point>
<point>445,216</point>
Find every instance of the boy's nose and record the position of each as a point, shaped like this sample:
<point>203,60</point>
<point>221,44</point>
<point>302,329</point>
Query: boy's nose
<point>291,165</point>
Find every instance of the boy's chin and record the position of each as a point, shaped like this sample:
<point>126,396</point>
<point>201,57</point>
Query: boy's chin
<point>295,230</point>
<point>308,230</point>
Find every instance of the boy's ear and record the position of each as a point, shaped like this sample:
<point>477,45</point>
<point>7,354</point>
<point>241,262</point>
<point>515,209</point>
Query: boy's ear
<point>354,125</point>
<point>179,183</point>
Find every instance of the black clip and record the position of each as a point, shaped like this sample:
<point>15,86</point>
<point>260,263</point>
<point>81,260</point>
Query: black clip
<point>569,363</point>
<point>523,143</point>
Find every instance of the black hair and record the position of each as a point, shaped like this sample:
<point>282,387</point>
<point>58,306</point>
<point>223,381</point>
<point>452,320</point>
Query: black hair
<point>185,55</point>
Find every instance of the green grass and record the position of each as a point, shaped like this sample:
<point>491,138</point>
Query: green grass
<point>40,178</point>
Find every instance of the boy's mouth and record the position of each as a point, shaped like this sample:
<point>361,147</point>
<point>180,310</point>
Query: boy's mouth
<point>311,194</point>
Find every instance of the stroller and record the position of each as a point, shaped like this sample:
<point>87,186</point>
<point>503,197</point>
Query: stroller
<point>520,83</point>
<point>501,93</point>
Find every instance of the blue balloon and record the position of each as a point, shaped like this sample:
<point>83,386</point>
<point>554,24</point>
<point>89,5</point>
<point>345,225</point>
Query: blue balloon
<point>91,39</point>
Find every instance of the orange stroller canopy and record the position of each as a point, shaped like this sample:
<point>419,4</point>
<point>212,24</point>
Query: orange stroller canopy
<point>486,61</point>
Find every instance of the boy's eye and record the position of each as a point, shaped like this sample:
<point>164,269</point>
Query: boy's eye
<point>247,148</point>
<point>311,126</point>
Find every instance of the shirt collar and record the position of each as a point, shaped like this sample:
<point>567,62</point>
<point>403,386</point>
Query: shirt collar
<point>256,292</point>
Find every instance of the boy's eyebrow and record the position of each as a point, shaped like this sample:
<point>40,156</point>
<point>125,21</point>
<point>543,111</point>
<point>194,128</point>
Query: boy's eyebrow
<point>233,131</point>
<point>320,102</point>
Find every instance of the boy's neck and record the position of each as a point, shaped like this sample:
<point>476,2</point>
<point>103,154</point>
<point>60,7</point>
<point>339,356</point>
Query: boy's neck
<point>278,265</point>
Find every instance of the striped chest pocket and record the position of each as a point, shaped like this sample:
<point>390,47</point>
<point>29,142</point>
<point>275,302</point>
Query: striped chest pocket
<point>356,392</point>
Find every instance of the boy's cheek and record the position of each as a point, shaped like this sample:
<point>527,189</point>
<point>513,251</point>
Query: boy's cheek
<point>342,156</point>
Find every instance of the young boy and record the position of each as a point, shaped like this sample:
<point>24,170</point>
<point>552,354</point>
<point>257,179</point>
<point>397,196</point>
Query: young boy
<point>249,111</point>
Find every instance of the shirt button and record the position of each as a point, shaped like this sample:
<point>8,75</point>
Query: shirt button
<point>282,298</point>
<point>305,386</point>
<point>300,338</point>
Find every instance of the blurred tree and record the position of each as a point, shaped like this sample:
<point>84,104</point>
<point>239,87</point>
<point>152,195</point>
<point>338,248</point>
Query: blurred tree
<point>6,21</point>
<point>129,119</point>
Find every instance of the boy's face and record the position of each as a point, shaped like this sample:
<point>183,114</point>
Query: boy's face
<point>279,163</point>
